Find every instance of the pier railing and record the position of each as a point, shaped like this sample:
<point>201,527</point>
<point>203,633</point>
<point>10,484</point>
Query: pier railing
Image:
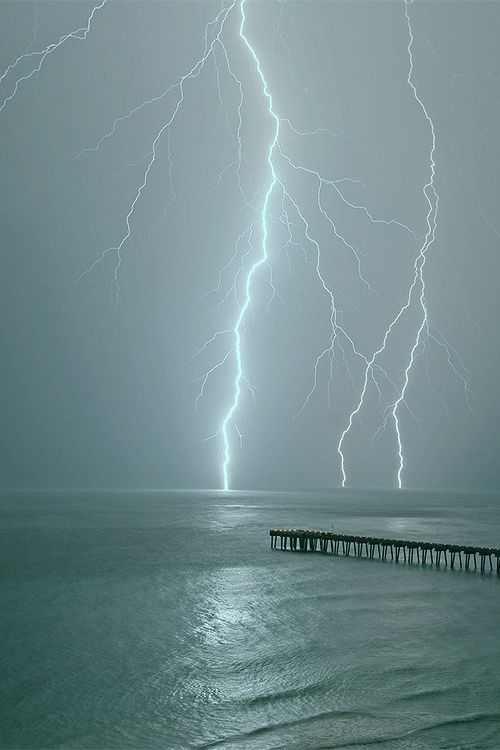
<point>305,540</point>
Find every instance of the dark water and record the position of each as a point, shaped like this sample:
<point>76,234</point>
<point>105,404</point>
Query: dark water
<point>164,620</point>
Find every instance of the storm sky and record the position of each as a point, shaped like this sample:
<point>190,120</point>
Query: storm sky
<point>99,388</point>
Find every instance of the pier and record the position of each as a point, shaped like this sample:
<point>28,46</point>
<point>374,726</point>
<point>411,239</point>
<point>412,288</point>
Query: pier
<point>423,553</point>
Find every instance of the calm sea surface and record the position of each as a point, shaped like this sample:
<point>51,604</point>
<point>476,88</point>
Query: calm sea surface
<point>164,620</point>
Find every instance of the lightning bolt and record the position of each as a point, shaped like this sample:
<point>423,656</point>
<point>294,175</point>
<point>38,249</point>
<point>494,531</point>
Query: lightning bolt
<point>80,34</point>
<point>254,251</point>
<point>262,260</point>
<point>432,198</point>
<point>418,289</point>
<point>418,283</point>
<point>179,88</point>
<point>340,339</point>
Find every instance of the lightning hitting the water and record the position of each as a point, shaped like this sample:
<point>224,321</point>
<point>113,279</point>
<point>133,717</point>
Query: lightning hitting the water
<point>245,277</point>
<point>259,262</point>
<point>255,253</point>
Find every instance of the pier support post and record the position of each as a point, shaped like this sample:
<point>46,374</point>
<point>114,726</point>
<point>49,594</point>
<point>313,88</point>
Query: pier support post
<point>310,540</point>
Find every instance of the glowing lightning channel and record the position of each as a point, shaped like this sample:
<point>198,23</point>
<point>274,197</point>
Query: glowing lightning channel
<point>229,418</point>
<point>338,335</point>
<point>432,199</point>
<point>339,339</point>
<point>80,33</point>
<point>193,73</point>
<point>433,202</point>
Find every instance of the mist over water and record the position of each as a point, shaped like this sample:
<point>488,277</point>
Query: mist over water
<point>164,620</point>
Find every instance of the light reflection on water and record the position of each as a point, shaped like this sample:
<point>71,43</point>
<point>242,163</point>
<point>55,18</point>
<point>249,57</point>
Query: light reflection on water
<point>166,621</point>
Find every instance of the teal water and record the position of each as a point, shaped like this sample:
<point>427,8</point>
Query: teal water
<point>164,620</point>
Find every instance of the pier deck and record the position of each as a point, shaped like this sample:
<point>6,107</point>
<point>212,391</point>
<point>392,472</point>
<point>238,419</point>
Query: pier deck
<point>305,540</point>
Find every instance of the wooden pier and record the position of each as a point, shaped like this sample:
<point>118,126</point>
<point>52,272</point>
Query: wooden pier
<point>423,553</point>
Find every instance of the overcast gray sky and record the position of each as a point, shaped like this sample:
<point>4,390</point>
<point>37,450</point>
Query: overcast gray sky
<point>100,391</point>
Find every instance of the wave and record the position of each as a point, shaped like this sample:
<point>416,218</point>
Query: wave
<point>440,724</point>
<point>352,742</point>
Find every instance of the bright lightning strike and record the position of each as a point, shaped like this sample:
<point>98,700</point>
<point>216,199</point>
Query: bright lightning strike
<point>304,223</point>
<point>179,88</point>
<point>417,287</point>
<point>260,261</point>
<point>337,331</point>
<point>433,202</point>
<point>80,33</point>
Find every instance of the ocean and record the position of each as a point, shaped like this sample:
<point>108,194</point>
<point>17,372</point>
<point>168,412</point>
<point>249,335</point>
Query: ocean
<point>165,620</point>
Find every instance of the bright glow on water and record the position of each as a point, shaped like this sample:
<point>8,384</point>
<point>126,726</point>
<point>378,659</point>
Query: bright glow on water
<point>164,620</point>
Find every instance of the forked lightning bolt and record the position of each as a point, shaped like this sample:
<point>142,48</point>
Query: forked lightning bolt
<point>80,33</point>
<point>228,419</point>
<point>417,289</point>
<point>277,209</point>
<point>278,161</point>
<point>180,91</point>
<point>339,337</point>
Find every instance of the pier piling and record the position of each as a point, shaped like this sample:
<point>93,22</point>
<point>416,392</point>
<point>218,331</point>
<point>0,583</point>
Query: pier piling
<point>412,552</point>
